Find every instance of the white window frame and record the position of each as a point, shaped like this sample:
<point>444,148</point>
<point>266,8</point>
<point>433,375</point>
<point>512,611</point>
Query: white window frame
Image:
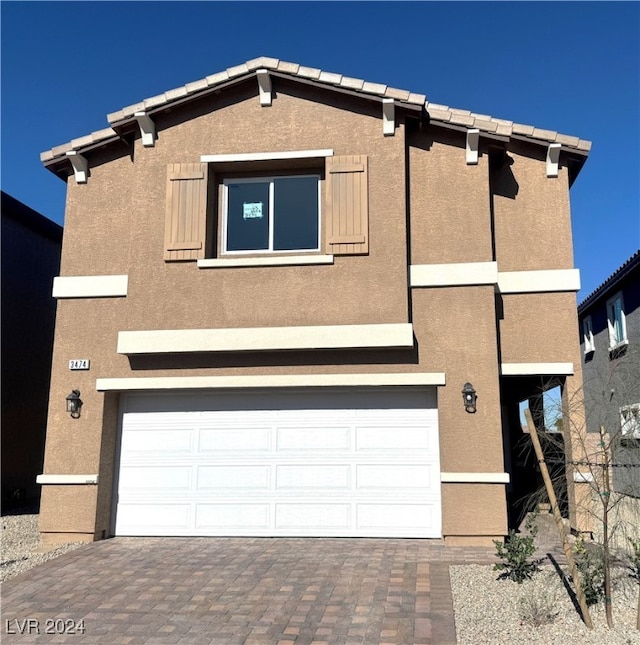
<point>615,306</point>
<point>630,421</point>
<point>587,335</point>
<point>270,181</point>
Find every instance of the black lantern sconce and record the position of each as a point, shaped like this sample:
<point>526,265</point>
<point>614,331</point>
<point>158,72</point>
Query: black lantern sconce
<point>74,403</point>
<point>469,397</point>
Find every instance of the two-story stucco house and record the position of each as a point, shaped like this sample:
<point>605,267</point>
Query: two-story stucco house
<point>281,280</point>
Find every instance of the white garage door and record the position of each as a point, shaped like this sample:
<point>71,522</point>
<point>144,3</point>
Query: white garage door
<point>274,463</point>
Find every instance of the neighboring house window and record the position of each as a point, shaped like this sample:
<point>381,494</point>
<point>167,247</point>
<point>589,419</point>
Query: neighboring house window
<point>616,322</point>
<point>272,214</point>
<point>630,421</point>
<point>587,335</point>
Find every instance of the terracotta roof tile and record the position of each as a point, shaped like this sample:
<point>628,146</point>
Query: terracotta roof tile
<point>393,93</point>
<point>440,115</point>
<point>483,124</point>
<point>526,130</point>
<point>309,72</point>
<point>154,101</point>
<point>195,86</point>
<point>220,77</point>
<point>504,129</point>
<point>329,77</point>
<point>567,140</point>
<point>262,62</point>
<point>352,83</point>
<point>289,68</point>
<point>237,70</point>
<point>416,99</point>
<point>374,88</point>
<point>548,135</point>
<point>437,106</point>
<point>584,145</point>
<point>177,93</point>
<point>459,119</point>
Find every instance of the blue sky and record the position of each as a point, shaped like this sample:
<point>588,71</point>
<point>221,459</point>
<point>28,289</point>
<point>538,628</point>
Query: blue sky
<point>572,67</point>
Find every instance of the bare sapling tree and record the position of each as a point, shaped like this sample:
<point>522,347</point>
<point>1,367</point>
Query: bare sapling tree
<point>600,426</point>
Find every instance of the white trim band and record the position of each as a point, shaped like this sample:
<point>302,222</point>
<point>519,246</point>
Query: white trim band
<point>582,478</point>
<point>267,156</point>
<point>270,381</point>
<point>67,479</point>
<point>474,478</point>
<point>536,369</point>
<point>167,341</point>
<point>452,275</point>
<point>273,261</point>
<point>90,286</point>
<point>539,281</point>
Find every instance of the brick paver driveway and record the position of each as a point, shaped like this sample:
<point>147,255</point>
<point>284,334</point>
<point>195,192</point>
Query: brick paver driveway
<point>230,590</point>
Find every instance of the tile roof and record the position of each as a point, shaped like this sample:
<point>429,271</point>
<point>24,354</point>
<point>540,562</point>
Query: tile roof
<point>620,273</point>
<point>437,112</point>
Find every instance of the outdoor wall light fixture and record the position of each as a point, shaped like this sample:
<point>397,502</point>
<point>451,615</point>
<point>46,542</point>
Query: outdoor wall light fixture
<point>469,397</point>
<point>74,403</point>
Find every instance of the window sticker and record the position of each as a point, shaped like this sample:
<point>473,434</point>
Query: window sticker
<point>252,210</point>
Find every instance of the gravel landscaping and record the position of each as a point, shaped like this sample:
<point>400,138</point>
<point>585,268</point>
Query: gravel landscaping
<point>488,610</point>
<point>21,546</point>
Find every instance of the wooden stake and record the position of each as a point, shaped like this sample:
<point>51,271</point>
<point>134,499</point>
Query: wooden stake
<point>582,601</point>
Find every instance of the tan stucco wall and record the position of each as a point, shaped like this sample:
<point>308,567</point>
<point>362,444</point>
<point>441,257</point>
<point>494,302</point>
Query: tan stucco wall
<point>473,509</point>
<point>456,333</point>
<point>531,213</point>
<point>539,328</point>
<point>449,201</point>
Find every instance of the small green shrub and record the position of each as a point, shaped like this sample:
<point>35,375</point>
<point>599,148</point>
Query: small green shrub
<point>515,553</point>
<point>590,563</point>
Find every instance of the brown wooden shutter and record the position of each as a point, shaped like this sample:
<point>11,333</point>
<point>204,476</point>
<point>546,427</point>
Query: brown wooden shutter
<point>347,205</point>
<point>186,218</point>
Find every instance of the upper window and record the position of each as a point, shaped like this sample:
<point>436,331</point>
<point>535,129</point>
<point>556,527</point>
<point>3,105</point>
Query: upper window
<point>271,214</point>
<point>587,335</point>
<point>616,322</point>
<point>630,421</point>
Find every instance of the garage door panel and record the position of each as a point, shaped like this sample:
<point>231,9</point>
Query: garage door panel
<point>153,519</point>
<point>302,464</point>
<point>234,477</point>
<point>392,438</point>
<point>396,476</point>
<point>227,438</point>
<point>316,516</point>
<point>398,516</point>
<point>227,519</point>
<point>313,439</point>
<point>164,441</point>
<point>313,477</point>
<point>175,478</point>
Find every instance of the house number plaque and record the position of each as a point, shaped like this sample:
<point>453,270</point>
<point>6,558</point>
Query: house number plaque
<point>79,364</point>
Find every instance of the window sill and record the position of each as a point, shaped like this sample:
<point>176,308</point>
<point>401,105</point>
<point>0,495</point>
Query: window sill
<point>621,344</point>
<point>286,260</point>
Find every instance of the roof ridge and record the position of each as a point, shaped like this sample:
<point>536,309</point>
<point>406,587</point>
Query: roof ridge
<point>437,112</point>
<point>619,273</point>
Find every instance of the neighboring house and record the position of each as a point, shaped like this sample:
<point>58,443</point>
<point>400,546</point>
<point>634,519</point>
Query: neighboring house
<point>30,259</point>
<point>278,281</point>
<point>609,320</point>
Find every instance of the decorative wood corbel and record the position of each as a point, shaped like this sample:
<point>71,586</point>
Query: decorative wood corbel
<point>80,166</point>
<point>264,86</point>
